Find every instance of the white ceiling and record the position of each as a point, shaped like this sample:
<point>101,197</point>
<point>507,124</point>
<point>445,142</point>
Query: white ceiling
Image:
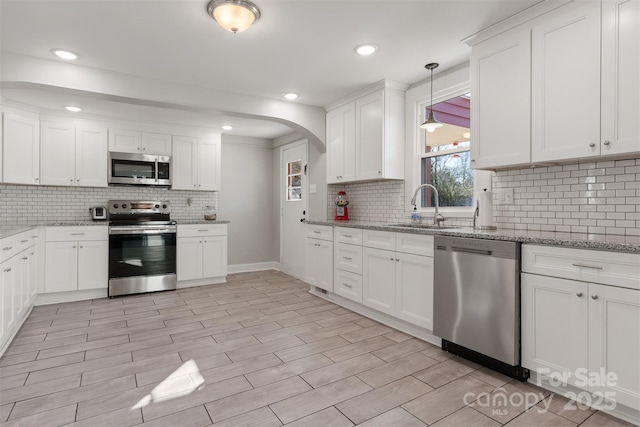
<point>304,46</point>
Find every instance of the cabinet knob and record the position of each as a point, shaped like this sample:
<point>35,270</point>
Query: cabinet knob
<point>607,143</point>
<point>398,259</point>
<point>392,259</point>
<point>138,148</point>
<point>70,179</point>
<point>25,258</point>
<point>592,145</point>
<point>74,246</point>
<point>37,179</point>
<point>579,294</point>
<point>348,286</point>
<point>594,296</point>
<point>6,270</point>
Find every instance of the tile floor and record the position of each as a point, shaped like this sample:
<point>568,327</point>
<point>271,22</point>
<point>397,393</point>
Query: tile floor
<point>258,350</point>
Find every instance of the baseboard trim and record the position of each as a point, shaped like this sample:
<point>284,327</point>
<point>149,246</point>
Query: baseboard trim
<point>60,297</point>
<point>258,266</point>
<point>9,340</point>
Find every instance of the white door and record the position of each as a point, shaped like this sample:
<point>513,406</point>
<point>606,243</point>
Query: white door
<point>293,208</point>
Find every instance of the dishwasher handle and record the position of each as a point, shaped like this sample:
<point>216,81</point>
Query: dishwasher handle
<point>471,251</point>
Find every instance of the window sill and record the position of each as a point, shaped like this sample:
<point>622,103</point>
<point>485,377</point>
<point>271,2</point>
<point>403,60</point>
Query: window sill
<point>448,212</point>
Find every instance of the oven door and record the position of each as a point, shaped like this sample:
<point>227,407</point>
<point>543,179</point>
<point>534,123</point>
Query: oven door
<point>134,252</point>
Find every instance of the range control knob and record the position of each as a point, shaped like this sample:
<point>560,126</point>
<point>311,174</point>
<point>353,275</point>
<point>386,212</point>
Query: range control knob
<point>124,206</point>
<point>164,206</point>
<point>115,205</point>
<point>157,206</point>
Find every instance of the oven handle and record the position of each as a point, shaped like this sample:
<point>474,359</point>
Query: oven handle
<point>129,230</point>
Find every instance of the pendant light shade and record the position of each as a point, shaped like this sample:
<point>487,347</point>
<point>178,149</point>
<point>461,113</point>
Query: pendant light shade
<point>233,15</point>
<point>431,123</point>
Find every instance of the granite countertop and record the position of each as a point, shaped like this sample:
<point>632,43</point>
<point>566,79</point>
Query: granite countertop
<point>607,242</point>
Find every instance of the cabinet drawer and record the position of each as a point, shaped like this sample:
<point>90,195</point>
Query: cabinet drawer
<point>609,268</point>
<point>348,257</point>
<point>418,244</point>
<point>322,232</point>
<point>8,247</point>
<point>347,235</point>
<point>197,230</point>
<point>348,285</point>
<point>379,239</point>
<point>70,234</point>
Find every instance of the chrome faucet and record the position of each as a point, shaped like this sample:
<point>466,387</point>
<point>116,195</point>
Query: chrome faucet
<point>436,220</point>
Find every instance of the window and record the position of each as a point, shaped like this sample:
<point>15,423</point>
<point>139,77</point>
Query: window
<point>445,160</point>
<point>294,181</point>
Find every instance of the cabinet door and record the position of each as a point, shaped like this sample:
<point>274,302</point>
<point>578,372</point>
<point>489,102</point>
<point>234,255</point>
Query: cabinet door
<point>370,136</point>
<point>566,83</point>
<point>184,175</point>
<point>325,265</point>
<point>614,341</point>
<point>379,279</point>
<point>7,288</point>
<point>91,156</point>
<point>414,289</point>
<point>33,276</point>
<point>348,285</point>
<point>57,153</point>
<point>208,161</point>
<point>156,143</point>
<point>501,100</point>
<point>22,285</point>
<point>311,261</point>
<point>554,325</point>
<point>214,256</point>
<point>61,267</point>
<point>341,144</point>
<point>189,257</point>
<point>125,141</point>
<point>21,149</point>
<point>620,71</point>
<point>93,264</point>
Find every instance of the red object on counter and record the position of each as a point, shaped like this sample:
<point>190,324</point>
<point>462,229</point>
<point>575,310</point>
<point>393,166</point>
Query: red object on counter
<point>342,212</point>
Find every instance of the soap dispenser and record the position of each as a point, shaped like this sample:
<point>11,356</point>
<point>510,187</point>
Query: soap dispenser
<point>415,216</point>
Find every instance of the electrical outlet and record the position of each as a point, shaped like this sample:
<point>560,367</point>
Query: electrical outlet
<point>505,196</point>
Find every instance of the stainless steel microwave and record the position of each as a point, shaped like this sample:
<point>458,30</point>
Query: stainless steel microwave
<point>139,169</point>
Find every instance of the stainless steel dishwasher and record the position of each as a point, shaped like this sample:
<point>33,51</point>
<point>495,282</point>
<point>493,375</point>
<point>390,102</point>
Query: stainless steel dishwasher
<point>477,301</point>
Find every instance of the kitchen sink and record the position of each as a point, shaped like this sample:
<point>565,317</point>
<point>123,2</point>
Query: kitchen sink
<point>422,226</point>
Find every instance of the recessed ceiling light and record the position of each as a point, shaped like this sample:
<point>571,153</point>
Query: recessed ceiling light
<point>65,54</point>
<point>366,49</point>
<point>291,95</point>
<point>226,127</point>
<point>73,109</point>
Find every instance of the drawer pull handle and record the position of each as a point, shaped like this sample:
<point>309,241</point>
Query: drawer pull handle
<point>392,259</point>
<point>6,270</point>
<point>7,248</point>
<point>594,296</point>
<point>348,286</point>
<point>24,241</point>
<point>595,267</point>
<point>348,236</point>
<point>25,258</point>
<point>579,294</point>
<point>77,234</point>
<point>316,231</point>
<point>348,258</point>
<point>317,244</point>
<point>203,230</point>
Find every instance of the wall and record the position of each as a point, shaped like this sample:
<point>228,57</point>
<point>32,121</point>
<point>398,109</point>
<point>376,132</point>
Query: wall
<point>247,200</point>
<point>25,204</point>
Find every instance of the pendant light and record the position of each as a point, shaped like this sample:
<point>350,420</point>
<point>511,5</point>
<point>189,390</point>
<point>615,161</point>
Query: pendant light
<point>431,123</point>
<point>233,15</point>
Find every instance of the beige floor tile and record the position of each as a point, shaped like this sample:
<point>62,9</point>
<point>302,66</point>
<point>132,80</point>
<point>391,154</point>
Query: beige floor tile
<point>491,377</point>
<point>212,330</point>
<point>600,419</point>
<point>83,346</point>
<point>193,417</point>
<point>272,318</point>
<point>13,381</point>
<point>287,332</point>
<point>212,315</point>
<point>397,336</point>
<point>145,334</point>
<point>245,332</point>
<point>315,317</point>
<point>72,395</point>
<point>445,372</point>
<point>5,410</point>
<point>444,401</point>
<point>85,330</point>
<point>126,317</point>
<point>240,368</point>
<point>125,331</point>
<point>146,353</point>
<point>320,305</point>
<point>317,399</point>
<point>111,402</point>
<point>366,322</point>
<point>402,349</point>
<point>327,417</point>
<point>383,399</point>
<point>217,348</point>
<point>18,358</point>
<point>328,332</point>
<point>43,345</point>
<point>55,417</point>
<point>538,417</point>
<point>289,307</point>
<point>126,347</point>
<point>77,368</point>
<point>122,418</point>
<point>466,417</point>
<point>395,370</point>
<point>510,400</point>
<point>259,349</point>
<point>395,417</point>
<point>157,375</point>
<point>130,368</point>
<point>340,370</point>
<point>304,350</point>
<point>253,399</point>
<point>37,365</point>
<point>356,349</point>
<point>286,370</point>
<point>163,317</point>
<point>28,339</point>
<point>39,329</point>
<point>365,333</point>
<point>566,408</point>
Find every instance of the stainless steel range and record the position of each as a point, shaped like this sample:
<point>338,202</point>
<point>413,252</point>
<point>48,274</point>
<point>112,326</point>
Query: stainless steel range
<point>142,247</point>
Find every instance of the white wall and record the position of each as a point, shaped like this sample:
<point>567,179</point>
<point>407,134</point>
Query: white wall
<point>247,200</point>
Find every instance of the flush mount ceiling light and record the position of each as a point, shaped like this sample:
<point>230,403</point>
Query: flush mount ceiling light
<point>226,127</point>
<point>431,123</point>
<point>366,49</point>
<point>65,54</point>
<point>291,95</point>
<point>72,108</point>
<point>233,15</point>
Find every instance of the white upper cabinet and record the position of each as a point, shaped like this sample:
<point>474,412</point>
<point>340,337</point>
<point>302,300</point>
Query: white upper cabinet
<point>73,155</point>
<point>196,163</point>
<point>21,149</point>
<point>620,82</point>
<point>341,144</point>
<point>365,136</point>
<point>128,141</point>
<point>566,83</point>
<point>501,71</point>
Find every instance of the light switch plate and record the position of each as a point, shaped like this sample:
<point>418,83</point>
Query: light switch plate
<point>312,188</point>
<point>505,196</point>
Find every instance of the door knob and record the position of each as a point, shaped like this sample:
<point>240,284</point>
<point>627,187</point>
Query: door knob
<point>302,220</point>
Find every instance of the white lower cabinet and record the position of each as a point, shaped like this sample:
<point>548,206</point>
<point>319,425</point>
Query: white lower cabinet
<point>414,289</point>
<point>319,263</point>
<point>201,251</point>
<point>574,329</point>
<point>379,279</point>
<point>76,258</point>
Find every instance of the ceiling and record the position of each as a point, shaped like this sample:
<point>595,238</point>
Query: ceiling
<point>303,46</point>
